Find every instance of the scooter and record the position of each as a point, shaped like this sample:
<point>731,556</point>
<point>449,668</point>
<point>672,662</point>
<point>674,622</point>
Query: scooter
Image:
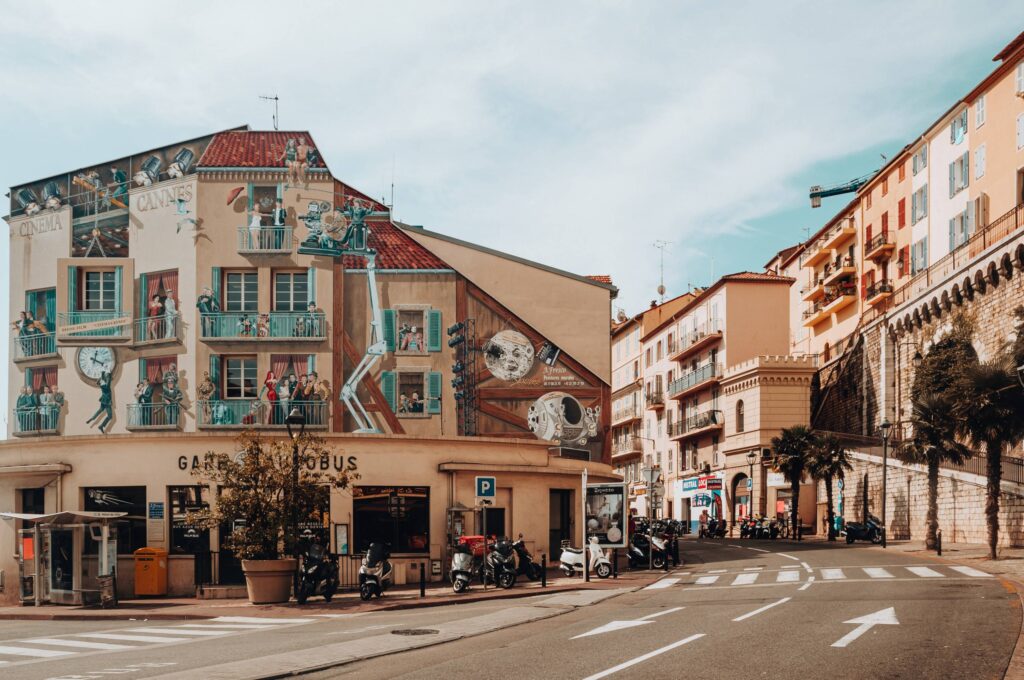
<point>500,564</point>
<point>376,573</point>
<point>571,559</point>
<point>525,566</point>
<point>646,551</point>
<point>868,531</point>
<point>317,567</point>
<point>462,567</point>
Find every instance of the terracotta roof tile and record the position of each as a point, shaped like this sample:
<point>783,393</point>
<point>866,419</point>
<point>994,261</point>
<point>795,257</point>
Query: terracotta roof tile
<point>600,278</point>
<point>253,149</point>
<point>756,276</point>
<point>395,250</point>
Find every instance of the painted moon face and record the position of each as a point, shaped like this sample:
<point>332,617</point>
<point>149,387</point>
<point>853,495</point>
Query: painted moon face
<point>509,355</point>
<point>93,362</point>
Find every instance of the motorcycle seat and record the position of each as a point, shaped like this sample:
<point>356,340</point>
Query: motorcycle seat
<point>575,551</point>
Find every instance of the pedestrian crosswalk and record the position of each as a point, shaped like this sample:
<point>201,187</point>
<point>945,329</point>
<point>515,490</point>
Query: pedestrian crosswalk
<point>759,576</point>
<point>36,649</point>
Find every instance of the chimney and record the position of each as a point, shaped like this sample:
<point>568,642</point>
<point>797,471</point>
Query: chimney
<point>654,303</point>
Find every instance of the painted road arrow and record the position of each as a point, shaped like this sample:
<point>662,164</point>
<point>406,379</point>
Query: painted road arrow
<point>884,617</point>
<point>620,625</point>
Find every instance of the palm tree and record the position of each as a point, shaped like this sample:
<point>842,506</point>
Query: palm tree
<point>790,452</point>
<point>933,443</point>
<point>829,461</point>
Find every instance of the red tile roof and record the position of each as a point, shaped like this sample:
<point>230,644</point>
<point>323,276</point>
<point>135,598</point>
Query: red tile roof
<point>252,149</point>
<point>600,278</point>
<point>395,250</point>
<point>756,276</point>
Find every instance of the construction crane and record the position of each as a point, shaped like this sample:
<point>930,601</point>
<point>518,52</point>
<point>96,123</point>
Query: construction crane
<point>820,192</point>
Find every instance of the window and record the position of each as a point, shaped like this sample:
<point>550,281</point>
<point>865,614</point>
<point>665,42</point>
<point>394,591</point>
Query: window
<point>901,213</point>
<point>100,289</point>
<point>919,256</point>
<point>961,227</point>
<point>867,200</point>
<point>648,356</point>
<point>739,416</point>
<point>885,186</point>
<point>242,292</point>
<point>264,201</point>
<point>903,171</point>
<point>979,162</point>
<point>186,540</point>
<point>885,222</point>
<point>412,393</point>
<point>958,174</point>
<point>920,160</point>
<point>958,127</point>
<point>903,261</point>
<point>919,205</point>
<point>1020,78</point>
<point>397,515</point>
<point>240,378</point>
<point>131,529</point>
<point>659,354</point>
<point>291,291</point>
<point>1020,128</point>
<point>32,501</point>
<point>979,112</point>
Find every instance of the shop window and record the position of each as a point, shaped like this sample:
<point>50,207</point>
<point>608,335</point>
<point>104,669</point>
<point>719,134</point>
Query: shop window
<point>242,292</point>
<point>187,540</point>
<point>414,393</point>
<point>240,377</point>
<point>131,529</point>
<point>33,501</point>
<point>398,516</point>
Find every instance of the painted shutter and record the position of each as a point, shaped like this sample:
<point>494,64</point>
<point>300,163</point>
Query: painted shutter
<point>434,392</point>
<point>30,302</point>
<point>143,296</point>
<point>971,220</point>
<point>310,363</point>
<point>215,285</point>
<point>142,369</point>
<point>215,374</point>
<point>72,289</point>
<point>434,330</point>
<point>913,208</point>
<point>902,213</point>
<point>389,330</point>
<point>50,300</point>
<point>310,285</point>
<point>952,179</point>
<point>924,253</point>
<point>118,273</point>
<point>249,200</point>
<point>924,157</point>
<point>867,235</point>
<point>915,163</point>
<point>387,386</point>
<point>28,377</point>
<point>965,161</point>
<point>885,223</point>
<point>952,233</point>
<point>923,209</point>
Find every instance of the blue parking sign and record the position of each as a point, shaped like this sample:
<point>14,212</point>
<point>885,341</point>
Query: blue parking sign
<point>486,487</point>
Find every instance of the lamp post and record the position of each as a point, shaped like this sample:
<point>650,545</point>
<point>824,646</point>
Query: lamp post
<point>295,419</point>
<point>751,458</point>
<point>886,427</point>
<point>650,475</point>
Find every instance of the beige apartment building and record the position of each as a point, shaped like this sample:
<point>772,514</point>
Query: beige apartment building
<point>627,405</point>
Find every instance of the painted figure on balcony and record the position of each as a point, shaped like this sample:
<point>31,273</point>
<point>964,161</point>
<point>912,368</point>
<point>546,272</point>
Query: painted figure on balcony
<point>280,214</point>
<point>302,151</point>
<point>106,404</point>
<point>312,321</point>
<point>29,332</point>
<point>356,211</point>
<point>155,317</point>
<point>263,326</point>
<point>144,399</point>
<point>246,327</point>
<point>285,387</point>
<point>269,394</point>
<point>207,392</point>
<point>25,410</point>
<point>207,305</point>
<point>170,375</point>
<point>172,401</point>
<point>170,314</point>
<point>48,408</point>
<point>220,414</point>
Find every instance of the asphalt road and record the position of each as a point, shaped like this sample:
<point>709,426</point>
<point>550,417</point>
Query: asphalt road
<point>738,609</point>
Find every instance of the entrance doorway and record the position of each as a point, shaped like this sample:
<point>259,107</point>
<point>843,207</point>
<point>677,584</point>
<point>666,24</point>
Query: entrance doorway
<point>494,520</point>
<point>560,520</point>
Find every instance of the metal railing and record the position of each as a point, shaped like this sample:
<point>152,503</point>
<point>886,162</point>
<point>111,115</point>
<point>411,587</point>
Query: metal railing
<point>245,413</point>
<point>656,398</point>
<point>879,288</point>
<point>699,421</point>
<point>33,345</point>
<point>267,239</point>
<point>265,326</point>
<point>691,338</point>
<point>695,377</point>
<point>837,265</point>
<point>66,319</point>
<point>155,329</point>
<point>831,295</point>
<point>877,242</point>
<point>626,414</point>
<point>36,420</point>
<point>827,237</point>
<point>154,416</point>
<point>626,445</point>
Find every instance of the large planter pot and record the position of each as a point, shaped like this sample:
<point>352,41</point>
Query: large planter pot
<point>269,581</point>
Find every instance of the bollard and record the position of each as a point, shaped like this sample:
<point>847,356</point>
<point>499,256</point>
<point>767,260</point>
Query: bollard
<point>423,580</point>
<point>938,541</point>
<point>543,570</point>
<point>615,563</point>
<point>675,548</point>
<point>665,560</point>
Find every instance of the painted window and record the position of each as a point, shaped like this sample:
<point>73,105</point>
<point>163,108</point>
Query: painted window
<point>240,377</point>
<point>242,293</point>
<point>979,162</point>
<point>739,416</point>
<point>959,174</point>
<point>291,291</point>
<point>979,112</point>
<point>412,393</point>
<point>100,291</point>
<point>920,160</point>
<point>919,205</point>
<point>958,127</point>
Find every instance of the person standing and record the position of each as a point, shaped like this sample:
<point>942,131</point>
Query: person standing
<point>48,409</point>
<point>207,305</point>
<point>145,400</point>
<point>172,397</point>
<point>170,315</point>
<point>269,392</point>
<point>284,393</point>
<point>154,314</point>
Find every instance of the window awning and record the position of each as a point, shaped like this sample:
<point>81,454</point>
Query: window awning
<point>64,518</point>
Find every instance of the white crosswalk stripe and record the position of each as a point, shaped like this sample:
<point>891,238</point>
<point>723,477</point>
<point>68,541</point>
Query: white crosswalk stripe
<point>706,580</point>
<point>28,651</point>
<point>177,630</point>
<point>663,583</point>
<point>877,572</point>
<point>925,572</point>
<point>788,577</point>
<point>745,579</point>
<point>971,571</point>
<point>130,638</point>
<point>81,644</point>
<point>832,574</point>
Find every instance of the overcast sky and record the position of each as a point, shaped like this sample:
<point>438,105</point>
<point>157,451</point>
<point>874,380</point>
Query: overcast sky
<point>572,133</point>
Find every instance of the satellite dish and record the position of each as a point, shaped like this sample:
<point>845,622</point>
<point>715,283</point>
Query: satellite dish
<point>621,316</point>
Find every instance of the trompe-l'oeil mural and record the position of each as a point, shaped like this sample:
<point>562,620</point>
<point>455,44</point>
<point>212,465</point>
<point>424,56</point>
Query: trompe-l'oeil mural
<point>508,355</point>
<point>560,417</point>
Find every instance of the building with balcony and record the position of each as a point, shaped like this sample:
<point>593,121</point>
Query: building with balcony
<point>177,297</point>
<point>627,399</point>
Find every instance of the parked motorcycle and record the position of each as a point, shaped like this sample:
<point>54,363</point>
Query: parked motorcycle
<point>571,559</point>
<point>716,528</point>
<point>646,551</point>
<point>376,574</point>
<point>462,567</point>
<point>747,525</point>
<point>525,566</point>
<point>317,567</point>
<point>866,531</point>
<point>500,564</point>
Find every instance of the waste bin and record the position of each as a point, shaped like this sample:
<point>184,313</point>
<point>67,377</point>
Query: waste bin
<point>150,571</point>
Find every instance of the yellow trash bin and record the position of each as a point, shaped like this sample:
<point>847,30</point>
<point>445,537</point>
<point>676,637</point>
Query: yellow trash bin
<point>150,571</point>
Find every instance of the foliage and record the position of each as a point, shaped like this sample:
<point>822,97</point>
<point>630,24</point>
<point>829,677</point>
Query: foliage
<point>828,461</point>
<point>257,492</point>
<point>790,451</point>
<point>945,367</point>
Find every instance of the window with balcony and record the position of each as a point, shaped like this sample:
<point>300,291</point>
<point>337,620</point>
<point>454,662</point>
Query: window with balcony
<point>291,291</point>
<point>38,406</point>
<point>158,316</point>
<point>242,292</point>
<point>240,377</point>
<point>100,291</point>
<point>33,330</point>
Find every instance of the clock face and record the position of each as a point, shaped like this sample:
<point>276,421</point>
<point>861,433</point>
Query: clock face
<point>94,361</point>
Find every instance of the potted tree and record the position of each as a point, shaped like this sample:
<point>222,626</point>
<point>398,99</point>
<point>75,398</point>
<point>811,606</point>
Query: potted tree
<point>267,487</point>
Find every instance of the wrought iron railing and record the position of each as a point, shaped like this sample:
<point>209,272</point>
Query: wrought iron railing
<point>695,377</point>
<point>699,421</point>
<point>108,323</point>
<point>254,413</point>
<point>877,242</point>
<point>626,445</point>
<point>267,240</point>
<point>879,288</point>
<point>33,345</point>
<point>154,416</point>
<point>265,326</point>
<point>36,420</point>
<point>625,414</point>
<point>656,398</point>
<point>156,329</point>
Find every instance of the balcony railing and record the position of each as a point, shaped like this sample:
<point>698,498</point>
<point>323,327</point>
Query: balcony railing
<point>92,324</point>
<point>878,246</point>
<point>702,374</point>
<point>628,445</point>
<point>271,240</point>
<point>36,420</point>
<point>152,330</point>
<point>247,326</point>
<point>697,338</point>
<point>33,346</point>
<point>700,421</point>
<point>253,413</point>
<point>878,291</point>
<point>838,269</point>
<point>622,414</point>
<point>656,399</point>
<point>159,416</point>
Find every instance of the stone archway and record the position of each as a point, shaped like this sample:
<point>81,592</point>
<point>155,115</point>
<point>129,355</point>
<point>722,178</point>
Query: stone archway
<point>740,497</point>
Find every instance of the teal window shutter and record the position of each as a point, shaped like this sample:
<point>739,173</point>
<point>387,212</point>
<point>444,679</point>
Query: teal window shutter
<point>118,271</point>
<point>143,296</point>
<point>28,377</point>
<point>311,363</point>
<point>30,302</point>
<point>310,285</point>
<point>72,289</point>
<point>249,199</point>
<point>966,167</point>
<point>215,285</point>
<point>387,386</point>
<point>142,369</point>
<point>952,234</point>
<point>434,392</point>
<point>434,330</point>
<point>50,300</point>
<point>215,374</point>
<point>389,330</point>
<point>952,179</point>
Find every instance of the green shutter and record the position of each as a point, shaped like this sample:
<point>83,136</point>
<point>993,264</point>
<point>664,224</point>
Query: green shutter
<point>310,285</point>
<point>434,330</point>
<point>143,296</point>
<point>215,374</point>
<point>28,377</point>
<point>310,363</point>
<point>387,386</point>
<point>434,392</point>
<point>389,330</point>
<point>215,285</point>
<point>142,369</point>
<point>966,166</point>
<point>30,302</point>
<point>50,300</point>
<point>72,289</point>
<point>249,199</point>
<point>118,272</point>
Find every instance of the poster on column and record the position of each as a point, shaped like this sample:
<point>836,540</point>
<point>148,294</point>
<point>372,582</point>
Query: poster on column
<point>605,507</point>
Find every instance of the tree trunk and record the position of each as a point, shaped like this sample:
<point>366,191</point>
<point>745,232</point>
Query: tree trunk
<point>994,469</point>
<point>932,521</point>
<point>795,514</point>
<point>830,508</point>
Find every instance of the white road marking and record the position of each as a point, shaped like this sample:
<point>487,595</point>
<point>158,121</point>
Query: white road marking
<point>877,572</point>
<point>807,567</point>
<point>883,617</point>
<point>760,549</point>
<point>733,545</point>
<point>175,631</point>
<point>788,557</point>
<point>810,580</point>
<point>256,619</point>
<point>971,571</point>
<point>717,571</point>
<point>663,583</point>
<point>129,638</point>
<point>232,626</point>
<point>790,566</point>
<point>28,651</point>
<point>611,626</point>
<point>706,580</point>
<point>752,568</point>
<point>925,572</point>
<point>745,579</point>
<point>787,577</point>
<point>58,642</point>
<point>762,609</point>
<point>832,574</point>
<point>645,657</point>
<point>661,613</point>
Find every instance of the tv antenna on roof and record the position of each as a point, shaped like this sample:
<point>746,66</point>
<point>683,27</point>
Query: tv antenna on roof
<point>661,245</point>
<point>275,100</point>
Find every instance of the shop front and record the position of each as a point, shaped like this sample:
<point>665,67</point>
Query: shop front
<point>700,495</point>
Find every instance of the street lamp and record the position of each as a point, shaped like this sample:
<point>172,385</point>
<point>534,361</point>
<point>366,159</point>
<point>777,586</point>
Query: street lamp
<point>885,427</point>
<point>751,458</point>
<point>297,419</point>
<point>650,475</point>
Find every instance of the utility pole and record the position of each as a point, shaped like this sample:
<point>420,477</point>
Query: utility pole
<point>661,245</point>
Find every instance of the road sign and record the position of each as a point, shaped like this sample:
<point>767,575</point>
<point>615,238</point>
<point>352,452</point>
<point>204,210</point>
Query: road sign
<point>883,617</point>
<point>750,483</point>
<point>486,487</point>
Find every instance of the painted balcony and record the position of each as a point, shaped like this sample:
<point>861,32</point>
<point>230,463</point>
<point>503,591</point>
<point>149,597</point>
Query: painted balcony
<point>878,293</point>
<point>656,400</point>
<point>705,334</point>
<point>107,325</point>
<point>694,381</point>
<point>36,421</point>
<point>243,414</point>
<point>880,247</point>
<point>625,415</point>
<point>157,330</point>
<point>34,346</point>
<point>256,327</point>
<point>627,446</point>
<point>839,269</point>
<point>265,240</point>
<point>158,417</point>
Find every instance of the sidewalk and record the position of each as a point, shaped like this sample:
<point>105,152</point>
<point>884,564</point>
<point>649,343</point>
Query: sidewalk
<point>397,597</point>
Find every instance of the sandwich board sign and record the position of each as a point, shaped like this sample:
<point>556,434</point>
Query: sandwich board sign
<point>486,487</point>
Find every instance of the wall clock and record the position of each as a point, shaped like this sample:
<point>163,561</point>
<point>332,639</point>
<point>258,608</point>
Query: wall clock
<point>94,361</point>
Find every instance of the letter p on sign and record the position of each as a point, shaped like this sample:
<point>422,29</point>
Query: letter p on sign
<point>485,487</point>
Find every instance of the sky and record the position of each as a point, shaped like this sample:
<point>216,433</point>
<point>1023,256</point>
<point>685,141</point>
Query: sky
<point>575,134</point>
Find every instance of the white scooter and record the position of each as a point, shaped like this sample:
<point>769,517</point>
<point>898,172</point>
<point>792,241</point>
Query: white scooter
<point>571,560</point>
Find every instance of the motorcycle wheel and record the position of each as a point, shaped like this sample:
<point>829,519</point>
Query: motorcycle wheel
<point>658,562</point>
<point>850,539</point>
<point>459,585</point>
<point>603,570</point>
<point>567,571</point>
<point>329,590</point>
<point>533,571</point>
<point>365,592</point>
<point>305,590</point>
<point>876,538</point>
<point>507,579</point>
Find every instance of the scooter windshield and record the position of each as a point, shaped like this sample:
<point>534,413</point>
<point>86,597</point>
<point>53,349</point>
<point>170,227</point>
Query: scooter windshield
<point>315,552</point>
<point>376,554</point>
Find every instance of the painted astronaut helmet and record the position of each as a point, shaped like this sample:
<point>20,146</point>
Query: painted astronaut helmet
<point>508,355</point>
<point>560,417</point>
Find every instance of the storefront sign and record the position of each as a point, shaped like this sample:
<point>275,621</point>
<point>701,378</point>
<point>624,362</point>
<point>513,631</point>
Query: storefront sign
<point>605,508</point>
<point>337,462</point>
<point>777,479</point>
<point>95,325</point>
<point>162,197</point>
<point>708,482</point>
<point>702,500</point>
<point>155,525</point>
